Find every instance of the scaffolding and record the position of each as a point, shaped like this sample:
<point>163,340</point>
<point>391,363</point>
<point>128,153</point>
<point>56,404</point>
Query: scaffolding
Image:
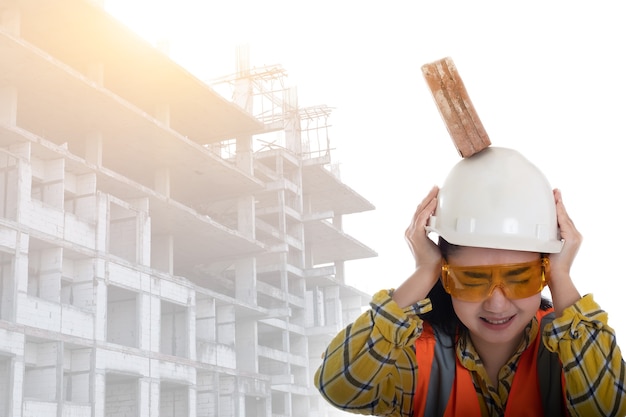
<point>263,92</point>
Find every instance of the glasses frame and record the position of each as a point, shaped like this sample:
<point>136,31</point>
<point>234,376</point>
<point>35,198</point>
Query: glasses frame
<point>454,287</point>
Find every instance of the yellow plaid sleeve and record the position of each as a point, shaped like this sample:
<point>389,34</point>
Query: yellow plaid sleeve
<point>369,367</point>
<point>592,361</point>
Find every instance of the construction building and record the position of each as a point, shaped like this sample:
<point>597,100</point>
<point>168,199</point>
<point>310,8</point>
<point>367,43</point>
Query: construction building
<point>164,251</point>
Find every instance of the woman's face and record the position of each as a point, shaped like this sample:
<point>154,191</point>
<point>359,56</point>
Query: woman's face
<point>497,319</point>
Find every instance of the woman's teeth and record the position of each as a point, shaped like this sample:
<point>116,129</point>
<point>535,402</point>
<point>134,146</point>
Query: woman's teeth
<point>501,321</point>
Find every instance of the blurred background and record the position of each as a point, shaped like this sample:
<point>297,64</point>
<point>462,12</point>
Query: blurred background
<point>546,78</point>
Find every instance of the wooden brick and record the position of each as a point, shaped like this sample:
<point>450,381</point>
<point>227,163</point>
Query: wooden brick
<point>456,108</point>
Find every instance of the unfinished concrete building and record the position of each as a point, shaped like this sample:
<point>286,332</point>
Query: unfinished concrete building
<point>163,251</point>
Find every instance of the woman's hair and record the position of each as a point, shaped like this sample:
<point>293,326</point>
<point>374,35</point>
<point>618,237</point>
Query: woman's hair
<point>442,314</point>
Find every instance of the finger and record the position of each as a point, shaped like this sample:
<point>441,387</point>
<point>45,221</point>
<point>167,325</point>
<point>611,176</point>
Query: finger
<point>429,210</point>
<point>424,210</point>
<point>569,233</point>
<point>562,215</point>
<point>427,203</point>
<point>429,197</point>
<point>431,194</point>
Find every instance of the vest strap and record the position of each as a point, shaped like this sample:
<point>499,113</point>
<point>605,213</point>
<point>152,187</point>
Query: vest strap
<point>443,373</point>
<point>551,378</point>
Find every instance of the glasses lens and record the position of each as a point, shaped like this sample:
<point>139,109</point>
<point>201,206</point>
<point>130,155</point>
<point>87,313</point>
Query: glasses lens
<point>475,283</point>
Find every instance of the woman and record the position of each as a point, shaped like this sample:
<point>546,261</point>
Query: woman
<point>468,333</point>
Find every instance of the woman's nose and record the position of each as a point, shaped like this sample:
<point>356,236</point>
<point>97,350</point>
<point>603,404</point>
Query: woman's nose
<point>496,300</point>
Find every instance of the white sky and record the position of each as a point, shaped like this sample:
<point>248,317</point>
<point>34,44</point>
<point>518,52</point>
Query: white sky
<point>546,78</point>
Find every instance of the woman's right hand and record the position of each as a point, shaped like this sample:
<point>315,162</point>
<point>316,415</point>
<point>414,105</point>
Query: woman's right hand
<point>426,253</point>
<point>424,250</point>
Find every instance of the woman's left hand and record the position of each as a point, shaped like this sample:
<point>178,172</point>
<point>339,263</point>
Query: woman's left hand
<point>562,288</point>
<point>561,263</point>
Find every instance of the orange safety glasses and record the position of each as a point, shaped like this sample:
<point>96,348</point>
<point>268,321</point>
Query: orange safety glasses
<point>476,283</point>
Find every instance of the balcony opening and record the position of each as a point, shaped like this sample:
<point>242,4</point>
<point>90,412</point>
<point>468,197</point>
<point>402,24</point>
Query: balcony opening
<point>121,398</point>
<point>174,329</point>
<point>122,316</point>
<point>174,400</point>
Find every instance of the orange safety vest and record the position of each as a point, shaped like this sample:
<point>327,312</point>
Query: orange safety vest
<point>445,388</point>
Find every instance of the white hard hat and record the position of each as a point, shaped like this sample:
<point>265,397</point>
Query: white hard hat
<point>497,199</point>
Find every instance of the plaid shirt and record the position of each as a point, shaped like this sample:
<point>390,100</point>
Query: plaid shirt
<point>370,366</point>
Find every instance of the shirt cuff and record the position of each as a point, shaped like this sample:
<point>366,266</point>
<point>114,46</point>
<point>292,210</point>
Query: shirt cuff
<point>399,326</point>
<point>583,314</point>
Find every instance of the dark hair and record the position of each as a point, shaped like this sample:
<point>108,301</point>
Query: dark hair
<point>442,314</point>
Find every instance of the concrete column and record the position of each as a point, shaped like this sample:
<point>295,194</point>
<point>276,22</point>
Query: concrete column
<point>98,390</point>
<point>162,181</point>
<point>308,256</point>
<point>21,264</point>
<point>245,280</point>
<point>245,269</point>
<point>144,229</point>
<point>191,326</point>
<point>10,172</point>
<point>245,205</point>
<point>246,223</point>
<point>102,222</point>
<point>245,157</point>
<point>93,148</point>
<point>155,397</point>
<point>144,403</point>
<point>155,317</point>
<point>145,325</point>
<point>16,394</point>
<point>8,105</point>
<point>246,344</point>
<point>332,306</point>
<point>240,404</point>
<point>340,267</point>
<point>282,217</point>
<point>155,324</point>
<point>192,401</point>
<point>59,374</point>
<point>100,321</point>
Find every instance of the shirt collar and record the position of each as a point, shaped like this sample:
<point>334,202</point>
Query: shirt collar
<point>467,354</point>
